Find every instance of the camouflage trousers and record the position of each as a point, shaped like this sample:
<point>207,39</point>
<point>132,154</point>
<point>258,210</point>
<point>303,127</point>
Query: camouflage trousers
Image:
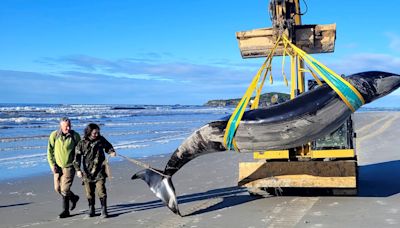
<point>98,187</point>
<point>63,180</point>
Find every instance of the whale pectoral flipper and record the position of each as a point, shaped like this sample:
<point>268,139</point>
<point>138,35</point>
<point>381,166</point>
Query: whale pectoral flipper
<point>161,186</point>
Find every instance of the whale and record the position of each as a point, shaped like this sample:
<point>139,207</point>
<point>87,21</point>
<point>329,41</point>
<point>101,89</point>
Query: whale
<point>311,115</point>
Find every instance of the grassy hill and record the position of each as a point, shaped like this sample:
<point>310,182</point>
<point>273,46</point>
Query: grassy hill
<point>265,100</point>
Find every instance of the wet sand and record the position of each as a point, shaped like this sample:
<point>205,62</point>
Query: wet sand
<point>209,196</point>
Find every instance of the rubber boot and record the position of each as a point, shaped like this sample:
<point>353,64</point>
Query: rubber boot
<point>65,212</point>
<point>91,212</point>
<point>74,199</point>
<point>104,213</point>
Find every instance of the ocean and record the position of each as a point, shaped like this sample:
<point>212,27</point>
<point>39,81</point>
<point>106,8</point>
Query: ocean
<point>135,131</point>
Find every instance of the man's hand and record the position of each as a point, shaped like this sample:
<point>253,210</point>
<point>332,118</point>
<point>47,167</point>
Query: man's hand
<point>55,169</point>
<point>79,174</point>
<point>113,154</point>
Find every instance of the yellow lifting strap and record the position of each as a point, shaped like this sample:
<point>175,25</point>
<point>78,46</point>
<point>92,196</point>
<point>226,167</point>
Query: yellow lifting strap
<point>237,114</point>
<point>256,100</point>
<point>350,95</point>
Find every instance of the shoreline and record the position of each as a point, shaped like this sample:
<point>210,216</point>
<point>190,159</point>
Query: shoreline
<point>113,161</point>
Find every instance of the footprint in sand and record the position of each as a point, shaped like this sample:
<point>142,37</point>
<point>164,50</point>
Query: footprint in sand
<point>381,202</point>
<point>393,211</point>
<point>217,216</point>
<point>391,221</point>
<point>317,213</point>
<point>333,204</point>
<point>196,220</point>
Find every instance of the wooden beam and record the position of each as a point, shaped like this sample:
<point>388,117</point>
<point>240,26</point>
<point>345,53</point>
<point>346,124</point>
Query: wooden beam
<point>333,174</point>
<point>310,38</point>
<point>303,181</point>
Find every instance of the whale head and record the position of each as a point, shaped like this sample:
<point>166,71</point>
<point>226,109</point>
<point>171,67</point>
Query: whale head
<point>374,84</point>
<point>161,186</point>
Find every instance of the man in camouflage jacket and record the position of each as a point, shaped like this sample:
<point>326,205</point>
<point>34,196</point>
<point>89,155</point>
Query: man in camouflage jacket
<point>90,152</point>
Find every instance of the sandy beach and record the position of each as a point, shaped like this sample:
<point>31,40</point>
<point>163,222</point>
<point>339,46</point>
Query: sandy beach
<point>209,197</point>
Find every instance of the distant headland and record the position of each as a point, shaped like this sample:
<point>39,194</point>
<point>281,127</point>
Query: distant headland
<point>266,99</point>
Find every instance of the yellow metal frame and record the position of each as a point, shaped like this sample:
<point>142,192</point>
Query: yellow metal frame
<point>297,86</point>
<point>284,154</point>
<point>272,154</point>
<point>344,153</point>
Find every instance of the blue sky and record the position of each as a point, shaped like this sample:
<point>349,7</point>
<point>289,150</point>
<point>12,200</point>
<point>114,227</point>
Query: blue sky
<point>169,52</point>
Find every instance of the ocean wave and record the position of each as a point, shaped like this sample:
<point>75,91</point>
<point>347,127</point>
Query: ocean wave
<point>22,148</point>
<point>16,119</point>
<point>6,127</point>
<point>131,146</point>
<point>140,132</point>
<point>153,123</point>
<point>161,139</point>
<point>165,141</point>
<point>20,157</point>
<point>156,139</point>
<point>24,138</point>
<point>90,108</point>
<point>22,109</point>
<point>19,120</point>
<point>53,108</point>
<point>103,123</point>
<point>118,133</point>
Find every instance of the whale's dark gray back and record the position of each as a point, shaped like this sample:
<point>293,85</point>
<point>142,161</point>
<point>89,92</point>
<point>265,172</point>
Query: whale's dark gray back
<point>307,102</point>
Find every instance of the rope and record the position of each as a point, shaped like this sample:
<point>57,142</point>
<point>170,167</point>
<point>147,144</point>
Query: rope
<point>108,167</point>
<point>143,165</point>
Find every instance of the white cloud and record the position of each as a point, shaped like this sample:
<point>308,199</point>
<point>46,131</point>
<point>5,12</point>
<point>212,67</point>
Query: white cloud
<point>157,69</point>
<point>394,41</point>
<point>366,62</point>
<point>350,45</point>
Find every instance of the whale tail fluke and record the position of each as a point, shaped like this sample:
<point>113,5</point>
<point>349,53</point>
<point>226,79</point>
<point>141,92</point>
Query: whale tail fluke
<point>161,186</point>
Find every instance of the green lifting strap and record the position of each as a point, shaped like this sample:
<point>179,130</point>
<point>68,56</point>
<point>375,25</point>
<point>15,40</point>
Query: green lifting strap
<point>350,95</point>
<point>232,126</point>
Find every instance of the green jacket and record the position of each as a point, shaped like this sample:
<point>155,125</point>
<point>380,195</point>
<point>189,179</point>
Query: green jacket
<point>61,148</point>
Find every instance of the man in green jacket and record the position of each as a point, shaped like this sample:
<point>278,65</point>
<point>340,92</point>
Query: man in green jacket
<point>60,155</point>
